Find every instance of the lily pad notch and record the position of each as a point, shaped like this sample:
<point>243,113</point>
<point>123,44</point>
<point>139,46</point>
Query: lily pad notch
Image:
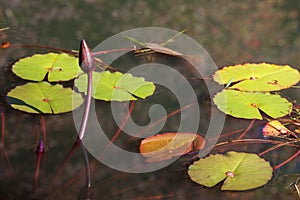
<point>56,66</point>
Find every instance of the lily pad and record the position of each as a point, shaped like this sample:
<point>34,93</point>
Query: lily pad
<point>58,67</point>
<point>116,86</point>
<point>168,145</point>
<point>42,97</point>
<point>249,104</point>
<point>275,128</point>
<point>241,171</point>
<point>258,77</point>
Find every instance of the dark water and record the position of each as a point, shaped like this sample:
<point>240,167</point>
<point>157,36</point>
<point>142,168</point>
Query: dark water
<point>231,32</point>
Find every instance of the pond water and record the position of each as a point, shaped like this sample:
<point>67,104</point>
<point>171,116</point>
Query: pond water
<point>230,32</point>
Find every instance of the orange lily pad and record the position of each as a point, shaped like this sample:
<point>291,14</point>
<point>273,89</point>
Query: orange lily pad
<point>275,128</point>
<point>169,145</point>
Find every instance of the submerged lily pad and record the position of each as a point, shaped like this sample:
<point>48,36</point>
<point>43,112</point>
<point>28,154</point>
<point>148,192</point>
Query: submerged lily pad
<point>241,171</point>
<point>58,67</point>
<point>168,145</point>
<point>116,86</point>
<point>249,104</point>
<point>43,97</point>
<point>258,77</point>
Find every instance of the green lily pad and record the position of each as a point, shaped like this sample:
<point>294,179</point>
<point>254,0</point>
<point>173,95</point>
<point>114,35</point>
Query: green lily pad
<point>248,104</point>
<point>58,67</point>
<point>258,77</point>
<point>116,86</point>
<point>241,171</point>
<point>42,97</point>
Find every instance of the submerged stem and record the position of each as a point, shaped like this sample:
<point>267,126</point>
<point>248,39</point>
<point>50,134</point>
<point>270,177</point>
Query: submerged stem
<point>87,167</point>
<point>287,160</point>
<point>2,128</point>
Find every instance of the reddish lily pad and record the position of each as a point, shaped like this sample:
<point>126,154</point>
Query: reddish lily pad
<point>169,145</point>
<point>275,128</point>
